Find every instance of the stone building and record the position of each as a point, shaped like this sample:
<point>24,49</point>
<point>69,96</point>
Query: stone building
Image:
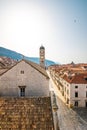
<point>75,90</point>
<point>26,102</point>
<point>71,81</point>
<point>25,78</point>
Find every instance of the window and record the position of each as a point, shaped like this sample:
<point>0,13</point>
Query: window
<point>22,72</point>
<point>86,78</point>
<point>67,92</point>
<point>22,91</point>
<point>86,104</point>
<point>76,103</point>
<point>76,94</point>
<point>86,93</point>
<point>76,86</point>
<point>67,101</point>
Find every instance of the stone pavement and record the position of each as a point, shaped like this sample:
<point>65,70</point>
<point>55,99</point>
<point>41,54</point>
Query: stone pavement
<point>82,112</point>
<point>68,118</point>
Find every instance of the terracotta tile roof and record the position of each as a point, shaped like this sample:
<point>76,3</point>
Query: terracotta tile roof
<point>76,73</point>
<point>6,62</point>
<point>26,114</point>
<point>77,78</point>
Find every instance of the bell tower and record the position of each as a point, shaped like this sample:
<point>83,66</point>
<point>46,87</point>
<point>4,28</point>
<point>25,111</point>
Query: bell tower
<point>42,56</point>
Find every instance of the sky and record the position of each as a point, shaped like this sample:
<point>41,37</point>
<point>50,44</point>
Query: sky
<point>59,25</point>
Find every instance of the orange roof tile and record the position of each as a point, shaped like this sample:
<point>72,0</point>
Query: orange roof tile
<point>77,78</point>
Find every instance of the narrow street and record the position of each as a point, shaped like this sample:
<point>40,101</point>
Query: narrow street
<point>68,119</point>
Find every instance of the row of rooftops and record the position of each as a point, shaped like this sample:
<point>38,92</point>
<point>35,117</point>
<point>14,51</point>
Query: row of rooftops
<point>72,73</point>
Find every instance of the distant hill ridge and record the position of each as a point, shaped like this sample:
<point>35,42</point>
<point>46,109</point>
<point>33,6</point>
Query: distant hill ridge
<point>17,56</point>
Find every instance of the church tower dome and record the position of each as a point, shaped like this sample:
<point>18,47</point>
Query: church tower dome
<point>42,56</point>
<point>42,47</point>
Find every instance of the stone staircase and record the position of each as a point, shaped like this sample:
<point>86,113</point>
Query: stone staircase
<point>26,113</point>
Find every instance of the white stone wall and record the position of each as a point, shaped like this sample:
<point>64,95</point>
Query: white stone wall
<point>66,91</point>
<point>36,83</point>
<point>82,88</point>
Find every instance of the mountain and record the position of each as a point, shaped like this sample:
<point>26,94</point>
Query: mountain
<point>17,56</point>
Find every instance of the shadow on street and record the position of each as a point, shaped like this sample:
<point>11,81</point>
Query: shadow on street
<point>82,112</point>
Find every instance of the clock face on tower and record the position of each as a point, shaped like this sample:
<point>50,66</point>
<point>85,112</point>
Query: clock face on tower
<point>41,51</point>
